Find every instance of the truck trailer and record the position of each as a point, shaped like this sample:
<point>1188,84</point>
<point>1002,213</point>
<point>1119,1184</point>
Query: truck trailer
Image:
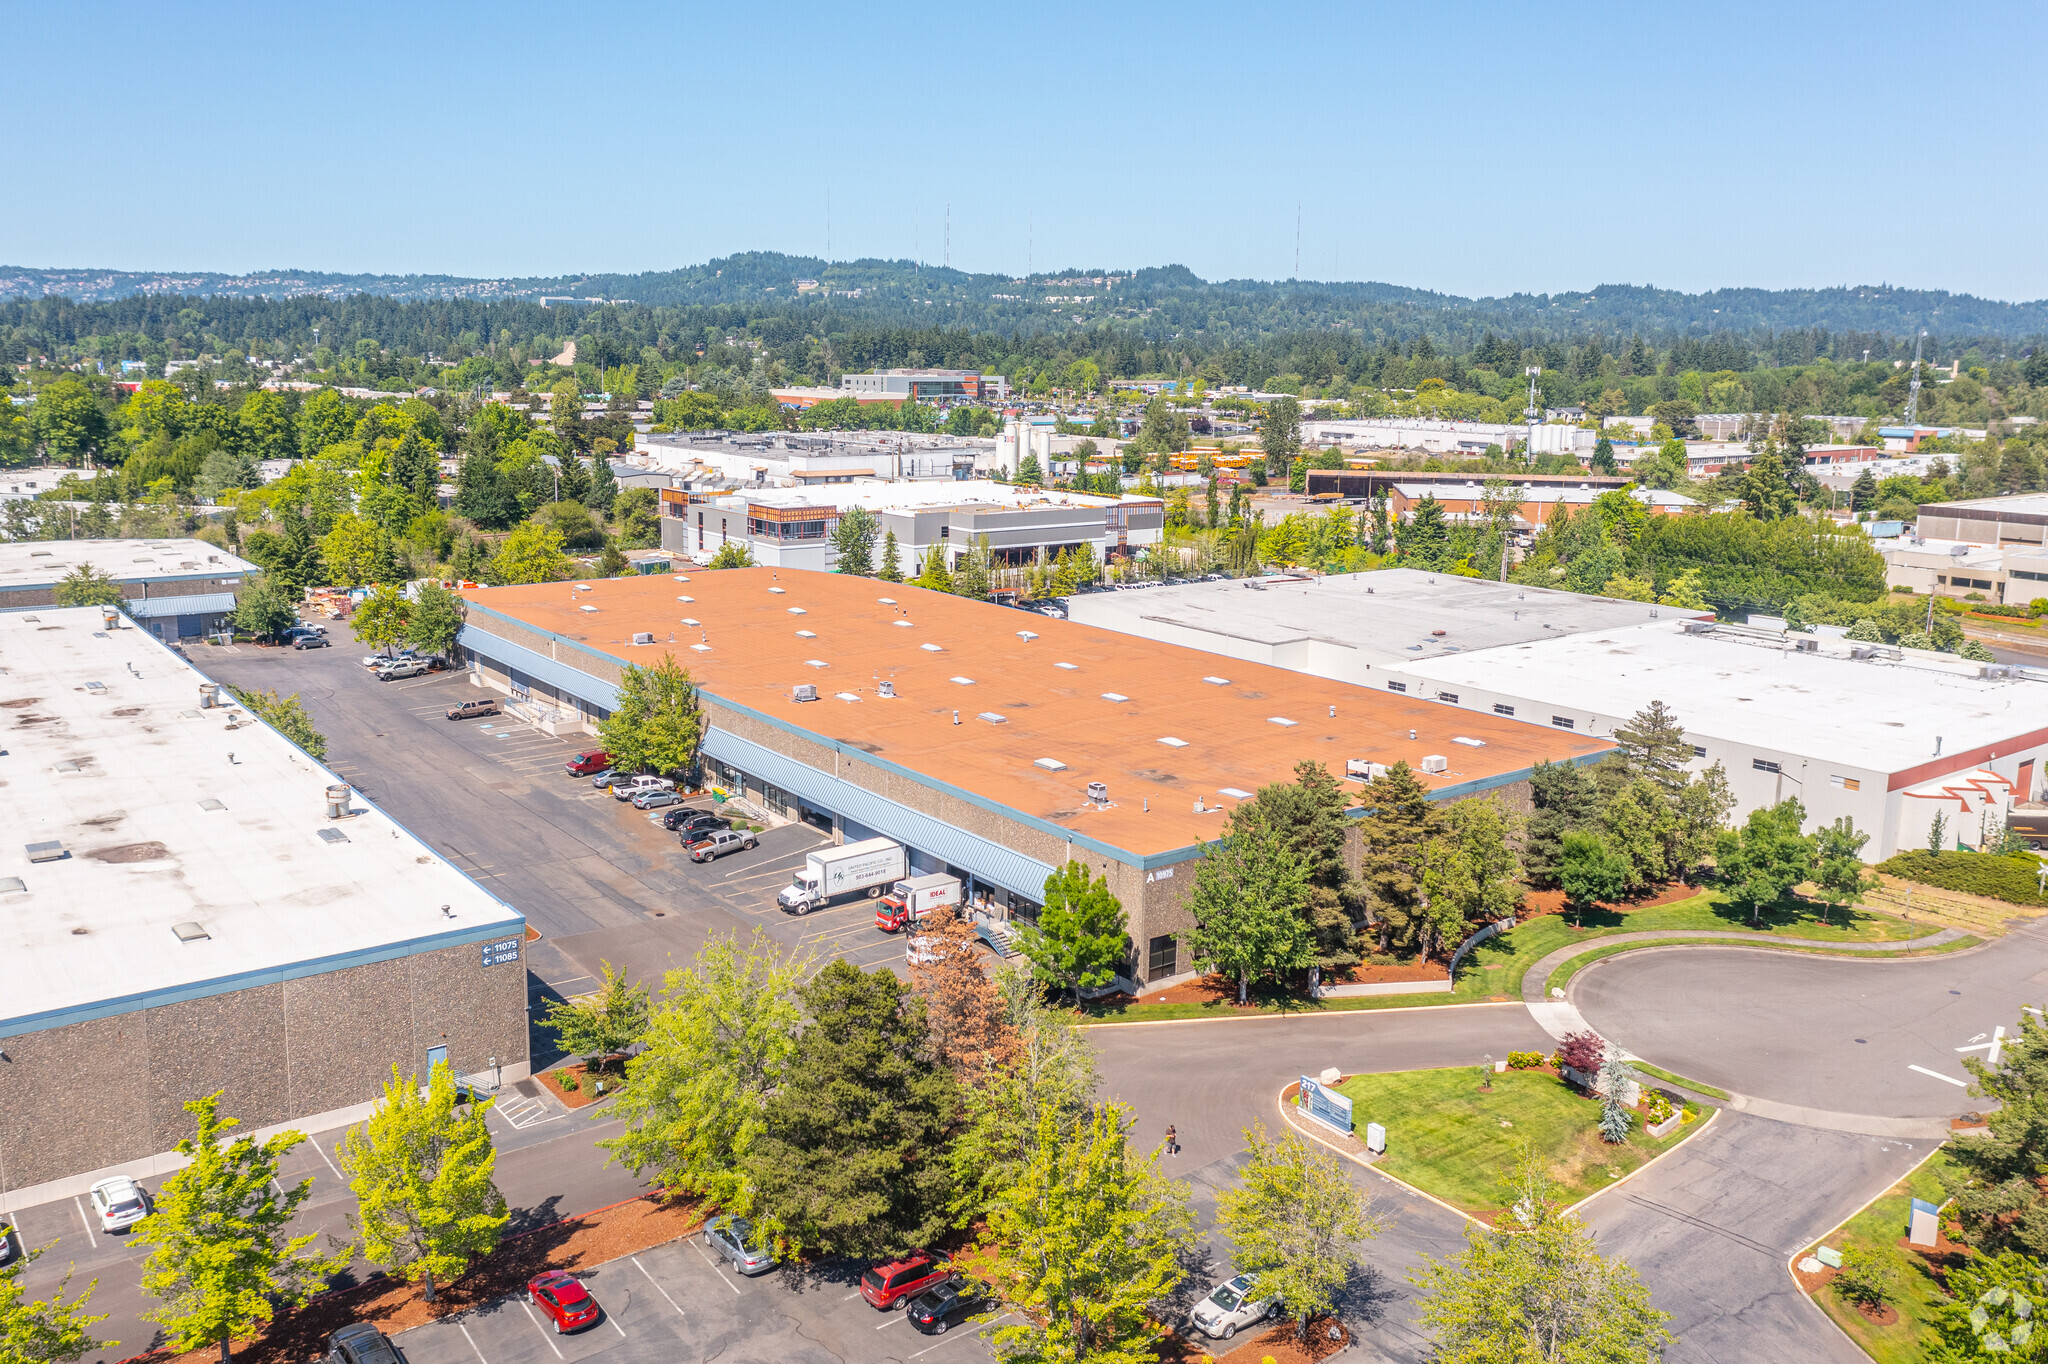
<point>911,899</point>
<point>832,874</point>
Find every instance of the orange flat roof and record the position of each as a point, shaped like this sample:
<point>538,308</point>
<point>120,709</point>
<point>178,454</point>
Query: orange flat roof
<point>1106,715</point>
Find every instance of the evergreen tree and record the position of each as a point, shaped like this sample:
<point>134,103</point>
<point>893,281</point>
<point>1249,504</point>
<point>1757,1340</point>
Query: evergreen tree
<point>611,563</point>
<point>853,542</point>
<point>604,486</point>
<point>1296,1221</point>
<point>1079,940</point>
<point>1765,492</point>
<point>1309,813</point>
<point>1863,492</point>
<point>1280,436</point>
<point>415,470</point>
<point>1565,798</point>
<point>1603,457</point>
<point>1654,747</point>
<point>1250,903</point>
<point>1425,537</point>
<point>1614,1079</point>
<point>1396,836</point>
<point>932,572</point>
<point>88,586</point>
<point>849,1158</point>
<point>52,1330</point>
<point>891,570</point>
<point>479,494</point>
<point>222,1259</point>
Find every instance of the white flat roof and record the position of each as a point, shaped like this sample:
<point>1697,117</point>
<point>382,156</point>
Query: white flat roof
<point>924,495</point>
<point>110,754</point>
<point>33,563</point>
<point>2029,503</point>
<point>1873,714</point>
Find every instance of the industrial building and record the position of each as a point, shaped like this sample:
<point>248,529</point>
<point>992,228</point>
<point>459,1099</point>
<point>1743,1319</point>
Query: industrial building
<point>720,460</point>
<point>792,528</point>
<point>1445,437</point>
<point>1352,627</point>
<point>993,744</point>
<point>189,903</point>
<point>2019,519</point>
<point>176,588</point>
<point>1536,505</point>
<point>928,386</point>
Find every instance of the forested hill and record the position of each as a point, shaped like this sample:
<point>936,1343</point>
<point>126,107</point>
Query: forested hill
<point>1161,302</point>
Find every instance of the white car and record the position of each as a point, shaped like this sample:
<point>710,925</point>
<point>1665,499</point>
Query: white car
<point>921,951</point>
<point>1227,1307</point>
<point>633,786</point>
<point>119,1203</point>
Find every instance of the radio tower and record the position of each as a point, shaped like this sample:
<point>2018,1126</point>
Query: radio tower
<point>1913,391</point>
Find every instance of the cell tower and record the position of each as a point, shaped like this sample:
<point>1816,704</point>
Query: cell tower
<point>1913,390</point>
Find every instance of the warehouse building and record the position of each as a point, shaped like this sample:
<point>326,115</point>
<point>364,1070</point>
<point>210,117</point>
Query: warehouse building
<point>991,743</point>
<point>189,903</point>
<point>175,588</point>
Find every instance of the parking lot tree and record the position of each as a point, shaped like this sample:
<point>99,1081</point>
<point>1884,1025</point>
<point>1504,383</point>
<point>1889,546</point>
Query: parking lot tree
<point>718,1040</point>
<point>1395,840</point>
<point>1839,873</point>
<point>384,620</point>
<point>264,609</point>
<point>287,715</point>
<point>850,1160</point>
<point>1297,1223</point>
<point>532,553</point>
<point>423,1172</point>
<point>657,724</point>
<point>1088,1246</point>
<point>732,554</point>
<point>891,568</point>
<point>52,1330</point>
<point>853,542</point>
<point>222,1257</point>
<point>1079,941</point>
<point>1250,901</point>
<point>601,1024</point>
<point>970,1028</point>
<point>1761,861</point>
<point>437,615</point>
<point>88,586</point>
<point>1535,1288</point>
<point>1588,871</point>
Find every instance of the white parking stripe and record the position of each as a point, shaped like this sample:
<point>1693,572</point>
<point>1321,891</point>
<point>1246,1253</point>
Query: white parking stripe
<point>87,1222</point>
<point>472,1343</point>
<point>658,1288</point>
<point>615,1325</point>
<point>1962,1084</point>
<point>528,1309</point>
<point>949,1338</point>
<point>716,1270</point>
<point>321,1147</point>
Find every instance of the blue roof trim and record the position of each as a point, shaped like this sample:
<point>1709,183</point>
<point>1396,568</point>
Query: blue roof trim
<point>196,604</point>
<point>539,666</point>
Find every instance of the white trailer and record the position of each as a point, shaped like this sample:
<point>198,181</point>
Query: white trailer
<point>831,874</point>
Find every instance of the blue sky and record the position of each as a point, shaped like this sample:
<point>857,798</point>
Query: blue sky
<point>1474,148</point>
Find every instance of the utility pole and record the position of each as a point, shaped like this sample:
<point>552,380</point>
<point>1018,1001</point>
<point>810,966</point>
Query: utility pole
<point>1297,239</point>
<point>948,258</point>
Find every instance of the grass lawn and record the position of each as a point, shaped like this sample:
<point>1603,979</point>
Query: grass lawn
<point>1564,973</point>
<point>1448,1138</point>
<point>1881,1227</point>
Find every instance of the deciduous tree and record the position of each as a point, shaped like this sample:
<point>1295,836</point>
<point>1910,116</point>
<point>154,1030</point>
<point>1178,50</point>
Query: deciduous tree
<point>1396,835</point>
<point>532,553</point>
<point>1079,941</point>
<point>52,1330</point>
<point>732,554</point>
<point>604,1023</point>
<point>1296,1221</point>
<point>657,724</point>
<point>1309,812</point>
<point>287,715</point>
<point>1839,870</point>
<point>1249,901</point>
<point>1767,856</point>
<point>1589,871</point>
<point>437,616</point>
<point>970,1030</point>
<point>384,620</point>
<point>264,609</point>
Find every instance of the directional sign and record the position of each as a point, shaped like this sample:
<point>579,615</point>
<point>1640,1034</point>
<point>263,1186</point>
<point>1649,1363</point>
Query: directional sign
<point>501,952</point>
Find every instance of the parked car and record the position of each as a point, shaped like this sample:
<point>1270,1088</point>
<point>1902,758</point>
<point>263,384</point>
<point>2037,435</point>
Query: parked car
<point>562,1297</point>
<point>886,1285</point>
<point>718,844</point>
<point>1228,1307</point>
<point>655,798</point>
<point>385,660</point>
<point>589,763</point>
<point>403,668</point>
<point>473,710</point>
<point>9,1243</point>
<point>734,1238</point>
<point>604,777</point>
<point>693,823</point>
<point>311,642</point>
<point>360,1343</point>
<point>119,1203</point>
<point>949,1303</point>
<point>633,786</point>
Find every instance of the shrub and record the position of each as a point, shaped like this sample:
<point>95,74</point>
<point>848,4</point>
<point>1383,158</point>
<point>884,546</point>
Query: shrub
<point>567,1080</point>
<point>2009,878</point>
<point>1525,1060</point>
<point>1582,1051</point>
<point>1656,1107</point>
<point>1867,1277</point>
<point>1994,608</point>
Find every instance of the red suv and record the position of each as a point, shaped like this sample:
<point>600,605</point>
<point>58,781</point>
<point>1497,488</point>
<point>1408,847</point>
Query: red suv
<point>588,761</point>
<point>886,1285</point>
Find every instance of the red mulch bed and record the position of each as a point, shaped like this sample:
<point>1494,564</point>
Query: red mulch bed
<point>585,1093</point>
<point>576,1242</point>
<point>1552,901</point>
<point>1221,989</point>
<point>1939,1258</point>
<point>1367,974</point>
<point>1276,1341</point>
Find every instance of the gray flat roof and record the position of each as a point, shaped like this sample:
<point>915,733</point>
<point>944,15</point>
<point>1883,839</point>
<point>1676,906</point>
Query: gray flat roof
<point>37,563</point>
<point>1393,616</point>
<point>168,814</point>
<point>2033,504</point>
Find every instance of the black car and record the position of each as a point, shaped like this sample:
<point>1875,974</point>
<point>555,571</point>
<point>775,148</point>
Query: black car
<point>950,1303</point>
<point>691,822</point>
<point>311,642</point>
<point>360,1343</point>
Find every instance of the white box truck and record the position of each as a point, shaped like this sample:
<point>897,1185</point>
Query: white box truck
<point>831,874</point>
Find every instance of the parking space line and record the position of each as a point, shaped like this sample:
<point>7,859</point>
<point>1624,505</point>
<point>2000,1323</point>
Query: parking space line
<point>528,1309</point>
<point>321,1147</point>
<point>657,1286</point>
<point>1963,1084</point>
<point>615,1323</point>
<point>85,1221</point>
<point>893,1319</point>
<point>978,1333</point>
<point>716,1270</point>
<point>472,1343</point>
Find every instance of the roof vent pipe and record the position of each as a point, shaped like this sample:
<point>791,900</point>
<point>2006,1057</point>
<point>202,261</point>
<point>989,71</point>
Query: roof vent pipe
<point>209,695</point>
<point>337,801</point>
<point>108,617</point>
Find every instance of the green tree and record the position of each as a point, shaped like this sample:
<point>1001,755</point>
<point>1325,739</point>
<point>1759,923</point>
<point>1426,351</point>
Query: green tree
<point>1765,492</point>
<point>67,422</point>
<point>1654,747</point>
<point>1296,1221</point>
<point>1471,874</point>
<point>719,1039</point>
<point>287,715</point>
<point>88,586</point>
<point>1863,493</point>
<point>384,620</point>
<point>732,554</point>
<point>657,724</point>
<point>1839,870</point>
<point>1997,1185</point>
<point>437,615</point>
<point>1565,797</point>
<point>853,542</point>
<point>611,563</point>
<point>1535,1290</point>
<point>427,1201</point>
<point>264,609</point>
<point>52,1330</point>
<point>1424,539</point>
<point>1249,902</point>
<point>1992,1310</point>
<point>1603,457</point>
<point>1280,436</point>
<point>602,1023</point>
<point>1396,837</point>
<point>532,553</point>
<point>1088,1243</point>
<point>1079,941</point>
<point>1683,592</point>
<point>222,1259</point>
<point>325,418</point>
<point>604,486</point>
<point>1310,812</point>
<point>891,570</point>
<point>1767,856</point>
<point>357,553</point>
<point>1589,871</point>
<point>931,573</point>
<point>849,1158</point>
<point>1639,827</point>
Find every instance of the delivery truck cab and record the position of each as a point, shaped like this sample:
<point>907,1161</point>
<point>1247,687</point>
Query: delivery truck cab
<point>910,900</point>
<point>832,874</point>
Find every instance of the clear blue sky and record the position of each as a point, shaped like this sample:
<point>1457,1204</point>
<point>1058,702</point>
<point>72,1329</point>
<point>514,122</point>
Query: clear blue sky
<point>1476,148</point>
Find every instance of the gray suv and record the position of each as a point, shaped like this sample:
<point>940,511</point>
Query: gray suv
<point>730,1237</point>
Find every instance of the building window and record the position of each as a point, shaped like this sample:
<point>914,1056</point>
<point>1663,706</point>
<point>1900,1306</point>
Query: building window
<point>2030,577</point>
<point>1563,722</point>
<point>1847,783</point>
<point>1448,696</point>
<point>1501,709</point>
<point>1698,752</point>
<point>1163,957</point>
<point>1763,765</point>
<point>1397,686</point>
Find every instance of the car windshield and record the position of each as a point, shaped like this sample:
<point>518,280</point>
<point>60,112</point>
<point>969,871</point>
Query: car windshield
<point>1226,1298</point>
<point>933,1301</point>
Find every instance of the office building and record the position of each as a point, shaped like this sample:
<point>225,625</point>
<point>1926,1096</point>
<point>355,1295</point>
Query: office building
<point>176,588</point>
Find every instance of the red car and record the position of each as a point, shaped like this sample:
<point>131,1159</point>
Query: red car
<point>588,761</point>
<point>564,1299</point>
<point>886,1285</point>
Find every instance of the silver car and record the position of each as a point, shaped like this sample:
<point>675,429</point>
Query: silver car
<point>119,1203</point>
<point>729,1236</point>
<point>1228,1307</point>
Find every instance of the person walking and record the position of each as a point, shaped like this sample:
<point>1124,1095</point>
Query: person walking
<point>1172,1141</point>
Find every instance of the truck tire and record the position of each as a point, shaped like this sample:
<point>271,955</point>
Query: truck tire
<point>803,907</point>
<point>749,845</point>
<point>874,892</point>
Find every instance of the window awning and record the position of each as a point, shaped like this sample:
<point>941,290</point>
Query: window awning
<point>564,678</point>
<point>198,604</point>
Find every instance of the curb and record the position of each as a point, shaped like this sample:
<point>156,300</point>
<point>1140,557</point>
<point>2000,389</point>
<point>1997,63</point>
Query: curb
<point>1793,1258</point>
<point>1687,938</point>
<point>1312,1013</point>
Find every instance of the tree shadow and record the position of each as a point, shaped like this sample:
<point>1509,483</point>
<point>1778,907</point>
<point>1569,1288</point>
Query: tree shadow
<point>1365,1296</point>
<point>545,1213</point>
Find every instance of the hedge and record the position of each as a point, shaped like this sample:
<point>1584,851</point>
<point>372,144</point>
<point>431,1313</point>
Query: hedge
<point>2012,879</point>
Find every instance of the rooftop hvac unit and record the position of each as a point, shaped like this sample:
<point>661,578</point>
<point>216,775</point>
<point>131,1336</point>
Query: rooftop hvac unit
<point>1098,792</point>
<point>643,637</point>
<point>1364,769</point>
<point>107,617</point>
<point>1806,646</point>
<point>1699,627</point>
<point>885,688</point>
<point>804,691</point>
<point>1435,762</point>
<point>1863,651</point>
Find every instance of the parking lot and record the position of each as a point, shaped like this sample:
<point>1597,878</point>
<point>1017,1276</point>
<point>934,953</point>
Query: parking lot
<point>677,1302</point>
